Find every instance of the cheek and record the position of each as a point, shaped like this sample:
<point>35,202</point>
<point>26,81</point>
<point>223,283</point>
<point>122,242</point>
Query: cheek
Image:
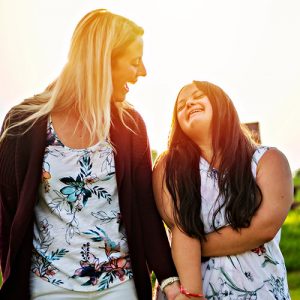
<point>179,115</point>
<point>119,70</point>
<point>131,71</point>
<point>211,115</point>
<point>127,73</point>
<point>115,74</point>
<point>181,119</point>
<point>181,123</point>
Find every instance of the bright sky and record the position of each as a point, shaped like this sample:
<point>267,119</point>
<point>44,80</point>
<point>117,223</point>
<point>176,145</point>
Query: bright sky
<point>250,48</point>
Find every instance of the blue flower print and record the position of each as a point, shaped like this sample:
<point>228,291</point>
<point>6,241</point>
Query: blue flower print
<point>75,189</point>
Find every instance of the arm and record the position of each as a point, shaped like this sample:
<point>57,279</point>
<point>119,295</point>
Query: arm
<point>275,181</point>
<point>184,248</point>
<point>8,193</point>
<point>158,252</point>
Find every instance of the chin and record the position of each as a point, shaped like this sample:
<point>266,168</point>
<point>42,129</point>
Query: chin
<point>118,98</point>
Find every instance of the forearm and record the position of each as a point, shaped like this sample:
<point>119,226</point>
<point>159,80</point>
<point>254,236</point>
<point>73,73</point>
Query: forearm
<point>228,241</point>
<point>157,248</point>
<point>263,228</point>
<point>275,182</point>
<point>186,252</point>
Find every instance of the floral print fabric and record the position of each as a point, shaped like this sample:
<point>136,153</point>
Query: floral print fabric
<point>257,274</point>
<point>79,241</point>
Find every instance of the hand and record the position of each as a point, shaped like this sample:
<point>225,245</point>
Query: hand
<point>172,290</point>
<point>181,297</point>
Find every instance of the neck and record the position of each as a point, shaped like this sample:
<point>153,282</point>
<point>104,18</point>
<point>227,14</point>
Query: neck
<point>207,151</point>
<point>204,142</point>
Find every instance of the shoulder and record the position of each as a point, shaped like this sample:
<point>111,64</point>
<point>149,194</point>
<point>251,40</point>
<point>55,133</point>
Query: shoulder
<point>160,166</point>
<point>16,114</point>
<point>274,178</point>
<point>127,116</point>
<point>136,126</point>
<point>136,117</point>
<point>134,113</point>
<point>11,118</point>
<point>273,161</point>
<point>272,155</point>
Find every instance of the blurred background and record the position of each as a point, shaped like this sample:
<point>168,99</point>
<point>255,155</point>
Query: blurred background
<point>249,48</point>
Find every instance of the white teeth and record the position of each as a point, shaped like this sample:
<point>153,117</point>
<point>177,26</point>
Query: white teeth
<point>195,111</point>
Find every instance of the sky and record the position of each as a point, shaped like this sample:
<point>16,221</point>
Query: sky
<point>250,48</point>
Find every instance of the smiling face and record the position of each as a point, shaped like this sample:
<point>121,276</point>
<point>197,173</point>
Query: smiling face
<point>194,113</point>
<point>126,68</point>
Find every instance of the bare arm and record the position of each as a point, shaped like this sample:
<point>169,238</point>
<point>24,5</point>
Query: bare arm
<point>184,248</point>
<point>275,181</point>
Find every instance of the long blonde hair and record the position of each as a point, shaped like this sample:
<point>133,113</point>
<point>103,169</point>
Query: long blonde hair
<point>86,80</point>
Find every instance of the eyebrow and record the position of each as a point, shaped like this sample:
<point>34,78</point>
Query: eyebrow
<point>140,57</point>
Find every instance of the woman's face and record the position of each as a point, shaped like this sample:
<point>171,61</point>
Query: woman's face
<point>126,68</point>
<point>194,112</point>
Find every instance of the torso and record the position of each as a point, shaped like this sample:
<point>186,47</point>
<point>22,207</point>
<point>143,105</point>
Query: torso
<point>79,243</point>
<point>256,274</point>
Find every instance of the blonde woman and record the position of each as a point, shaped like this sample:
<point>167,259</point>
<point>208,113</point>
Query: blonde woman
<point>78,219</point>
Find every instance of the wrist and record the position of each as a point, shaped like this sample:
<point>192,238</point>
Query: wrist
<point>168,281</point>
<point>189,294</point>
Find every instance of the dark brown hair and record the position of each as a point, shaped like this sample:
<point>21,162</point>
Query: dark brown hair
<point>237,186</point>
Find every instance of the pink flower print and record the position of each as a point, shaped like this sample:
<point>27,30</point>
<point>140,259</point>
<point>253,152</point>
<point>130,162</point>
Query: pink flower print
<point>259,250</point>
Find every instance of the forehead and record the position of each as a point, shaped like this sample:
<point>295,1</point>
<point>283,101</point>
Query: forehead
<point>188,91</point>
<point>134,49</point>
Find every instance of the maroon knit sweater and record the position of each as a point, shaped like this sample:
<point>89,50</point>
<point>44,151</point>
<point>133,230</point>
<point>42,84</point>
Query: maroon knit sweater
<point>21,159</point>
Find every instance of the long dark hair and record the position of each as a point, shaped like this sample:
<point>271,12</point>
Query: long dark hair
<point>237,186</point>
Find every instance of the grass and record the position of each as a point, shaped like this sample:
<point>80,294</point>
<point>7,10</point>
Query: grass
<point>290,248</point>
<point>289,243</point>
<point>295,295</point>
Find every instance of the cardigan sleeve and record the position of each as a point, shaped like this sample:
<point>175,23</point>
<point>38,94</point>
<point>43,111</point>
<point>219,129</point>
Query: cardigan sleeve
<point>156,244</point>
<point>6,217</point>
<point>7,191</point>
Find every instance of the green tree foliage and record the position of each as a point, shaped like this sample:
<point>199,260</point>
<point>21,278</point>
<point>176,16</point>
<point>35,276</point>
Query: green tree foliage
<point>153,155</point>
<point>297,186</point>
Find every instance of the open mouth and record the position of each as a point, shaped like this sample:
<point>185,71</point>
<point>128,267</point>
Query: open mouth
<point>126,85</point>
<point>196,110</point>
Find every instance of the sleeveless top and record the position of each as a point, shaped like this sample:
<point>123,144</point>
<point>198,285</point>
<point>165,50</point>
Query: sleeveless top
<point>79,243</point>
<point>256,274</point>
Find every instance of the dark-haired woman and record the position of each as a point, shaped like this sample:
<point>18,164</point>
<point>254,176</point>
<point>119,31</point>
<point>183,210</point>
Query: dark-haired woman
<point>223,197</point>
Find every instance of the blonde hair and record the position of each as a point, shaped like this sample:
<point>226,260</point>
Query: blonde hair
<point>86,80</point>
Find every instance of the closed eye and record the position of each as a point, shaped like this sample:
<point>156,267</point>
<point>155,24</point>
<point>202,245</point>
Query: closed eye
<point>196,97</point>
<point>181,106</point>
<point>182,102</point>
<point>136,62</point>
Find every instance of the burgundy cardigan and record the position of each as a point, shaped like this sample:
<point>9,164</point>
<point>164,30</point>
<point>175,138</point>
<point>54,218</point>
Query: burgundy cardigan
<point>21,159</point>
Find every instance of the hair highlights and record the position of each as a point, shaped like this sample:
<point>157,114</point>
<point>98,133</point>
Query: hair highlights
<point>85,82</point>
<point>232,147</point>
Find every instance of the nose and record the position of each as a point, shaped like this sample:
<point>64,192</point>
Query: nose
<point>190,102</point>
<point>142,69</point>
